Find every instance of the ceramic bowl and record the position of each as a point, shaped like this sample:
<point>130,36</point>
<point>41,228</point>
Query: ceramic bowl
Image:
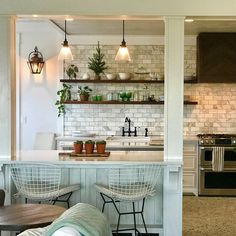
<point>111,76</point>
<point>124,76</point>
<point>155,76</point>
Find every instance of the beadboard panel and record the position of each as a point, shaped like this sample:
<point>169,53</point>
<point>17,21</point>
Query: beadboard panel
<point>88,194</point>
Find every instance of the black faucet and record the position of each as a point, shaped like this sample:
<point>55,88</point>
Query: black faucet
<point>129,132</point>
<point>146,132</point>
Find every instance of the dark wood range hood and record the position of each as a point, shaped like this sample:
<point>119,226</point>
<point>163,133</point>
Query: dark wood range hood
<point>216,58</point>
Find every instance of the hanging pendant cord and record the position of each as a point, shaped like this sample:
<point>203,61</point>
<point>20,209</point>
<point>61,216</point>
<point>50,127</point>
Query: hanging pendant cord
<point>65,29</point>
<point>123,30</point>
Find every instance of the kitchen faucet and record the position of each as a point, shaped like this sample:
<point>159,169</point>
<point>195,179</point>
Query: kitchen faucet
<point>129,132</point>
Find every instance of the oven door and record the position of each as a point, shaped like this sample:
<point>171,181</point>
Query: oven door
<point>217,183</point>
<point>206,156</point>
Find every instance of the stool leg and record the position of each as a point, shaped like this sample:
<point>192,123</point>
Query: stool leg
<point>118,225</point>
<point>135,227</point>
<point>143,217</point>
<point>104,202</point>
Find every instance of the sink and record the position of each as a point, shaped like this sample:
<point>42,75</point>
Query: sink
<point>125,139</point>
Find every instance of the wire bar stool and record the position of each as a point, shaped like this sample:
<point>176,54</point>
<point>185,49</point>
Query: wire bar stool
<point>41,182</point>
<point>130,183</point>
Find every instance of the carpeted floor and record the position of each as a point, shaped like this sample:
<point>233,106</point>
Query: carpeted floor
<point>209,216</point>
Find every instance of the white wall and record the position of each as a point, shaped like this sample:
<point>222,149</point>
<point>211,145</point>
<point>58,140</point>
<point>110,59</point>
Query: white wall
<point>37,93</point>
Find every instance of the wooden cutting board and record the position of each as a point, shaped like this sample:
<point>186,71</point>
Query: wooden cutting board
<point>83,156</point>
<point>156,143</point>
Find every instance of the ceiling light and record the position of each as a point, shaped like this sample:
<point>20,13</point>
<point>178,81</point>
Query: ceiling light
<point>123,52</point>
<point>189,20</point>
<point>69,19</point>
<point>35,61</point>
<point>65,53</point>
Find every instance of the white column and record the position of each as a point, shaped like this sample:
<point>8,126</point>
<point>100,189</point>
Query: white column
<point>174,82</point>
<point>173,133</point>
<point>7,86</point>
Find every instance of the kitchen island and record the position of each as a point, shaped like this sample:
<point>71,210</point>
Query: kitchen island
<point>161,211</point>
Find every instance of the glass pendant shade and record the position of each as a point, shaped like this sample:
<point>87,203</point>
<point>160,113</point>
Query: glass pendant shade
<point>65,52</point>
<point>35,61</point>
<point>123,51</point>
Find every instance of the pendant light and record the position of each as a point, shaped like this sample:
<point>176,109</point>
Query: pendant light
<point>65,53</point>
<point>35,61</point>
<point>123,52</point>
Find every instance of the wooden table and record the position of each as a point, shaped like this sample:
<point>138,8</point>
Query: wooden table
<point>20,217</point>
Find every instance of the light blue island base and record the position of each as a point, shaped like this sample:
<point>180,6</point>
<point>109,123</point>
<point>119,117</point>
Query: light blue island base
<point>163,212</point>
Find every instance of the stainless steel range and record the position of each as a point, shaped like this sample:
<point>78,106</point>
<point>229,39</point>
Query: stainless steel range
<point>217,164</point>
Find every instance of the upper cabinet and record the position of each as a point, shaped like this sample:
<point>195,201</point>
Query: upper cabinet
<point>216,58</point>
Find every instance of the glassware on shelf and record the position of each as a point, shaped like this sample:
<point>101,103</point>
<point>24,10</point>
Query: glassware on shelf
<point>123,96</point>
<point>126,96</point>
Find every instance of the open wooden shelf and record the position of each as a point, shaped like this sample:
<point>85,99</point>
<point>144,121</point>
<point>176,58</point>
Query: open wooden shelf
<point>117,81</point>
<point>126,102</point>
<point>188,79</point>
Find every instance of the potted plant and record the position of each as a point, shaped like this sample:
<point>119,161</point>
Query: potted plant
<point>78,146</point>
<point>72,71</point>
<point>101,146</point>
<point>64,95</point>
<point>84,93</point>
<point>89,146</point>
<point>96,63</point>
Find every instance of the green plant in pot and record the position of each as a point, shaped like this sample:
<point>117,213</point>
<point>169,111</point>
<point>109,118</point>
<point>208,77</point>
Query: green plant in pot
<point>97,63</point>
<point>89,146</point>
<point>64,95</point>
<point>72,71</point>
<point>78,146</point>
<point>101,146</point>
<point>84,93</point>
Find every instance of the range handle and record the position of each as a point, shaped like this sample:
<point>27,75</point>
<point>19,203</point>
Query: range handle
<point>225,169</point>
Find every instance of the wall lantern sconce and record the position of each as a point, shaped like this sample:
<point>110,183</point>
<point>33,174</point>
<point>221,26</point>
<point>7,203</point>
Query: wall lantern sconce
<point>35,61</point>
<point>123,52</point>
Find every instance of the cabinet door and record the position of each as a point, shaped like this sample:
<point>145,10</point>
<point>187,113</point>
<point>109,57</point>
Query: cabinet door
<point>216,58</point>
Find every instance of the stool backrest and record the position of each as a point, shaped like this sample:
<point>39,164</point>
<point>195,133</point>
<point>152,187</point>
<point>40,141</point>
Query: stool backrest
<point>2,197</point>
<point>36,180</point>
<point>134,179</point>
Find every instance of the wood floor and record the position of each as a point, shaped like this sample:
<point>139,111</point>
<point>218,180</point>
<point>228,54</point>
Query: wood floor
<point>209,216</point>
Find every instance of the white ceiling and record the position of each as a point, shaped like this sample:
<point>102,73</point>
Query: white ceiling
<point>113,26</point>
<point>145,27</point>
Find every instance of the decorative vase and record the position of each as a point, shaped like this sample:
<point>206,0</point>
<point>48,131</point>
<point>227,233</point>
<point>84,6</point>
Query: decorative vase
<point>84,97</point>
<point>78,148</point>
<point>101,148</point>
<point>89,148</point>
<point>97,77</point>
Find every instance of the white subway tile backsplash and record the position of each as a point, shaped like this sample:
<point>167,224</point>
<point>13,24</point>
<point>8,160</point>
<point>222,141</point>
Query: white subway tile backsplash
<point>215,112</point>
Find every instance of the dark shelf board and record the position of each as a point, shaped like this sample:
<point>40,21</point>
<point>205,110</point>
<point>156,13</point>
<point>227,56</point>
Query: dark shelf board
<point>187,79</point>
<point>124,102</point>
<point>118,81</point>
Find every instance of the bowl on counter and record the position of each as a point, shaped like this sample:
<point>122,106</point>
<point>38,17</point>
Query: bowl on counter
<point>124,76</point>
<point>111,76</point>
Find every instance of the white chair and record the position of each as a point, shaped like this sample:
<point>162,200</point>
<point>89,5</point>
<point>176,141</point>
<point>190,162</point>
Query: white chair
<point>130,183</point>
<point>44,141</point>
<point>41,182</point>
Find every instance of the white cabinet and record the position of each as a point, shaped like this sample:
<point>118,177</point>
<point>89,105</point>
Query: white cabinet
<point>190,173</point>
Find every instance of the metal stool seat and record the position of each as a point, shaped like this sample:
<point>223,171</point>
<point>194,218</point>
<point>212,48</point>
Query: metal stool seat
<point>130,183</point>
<point>41,182</point>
